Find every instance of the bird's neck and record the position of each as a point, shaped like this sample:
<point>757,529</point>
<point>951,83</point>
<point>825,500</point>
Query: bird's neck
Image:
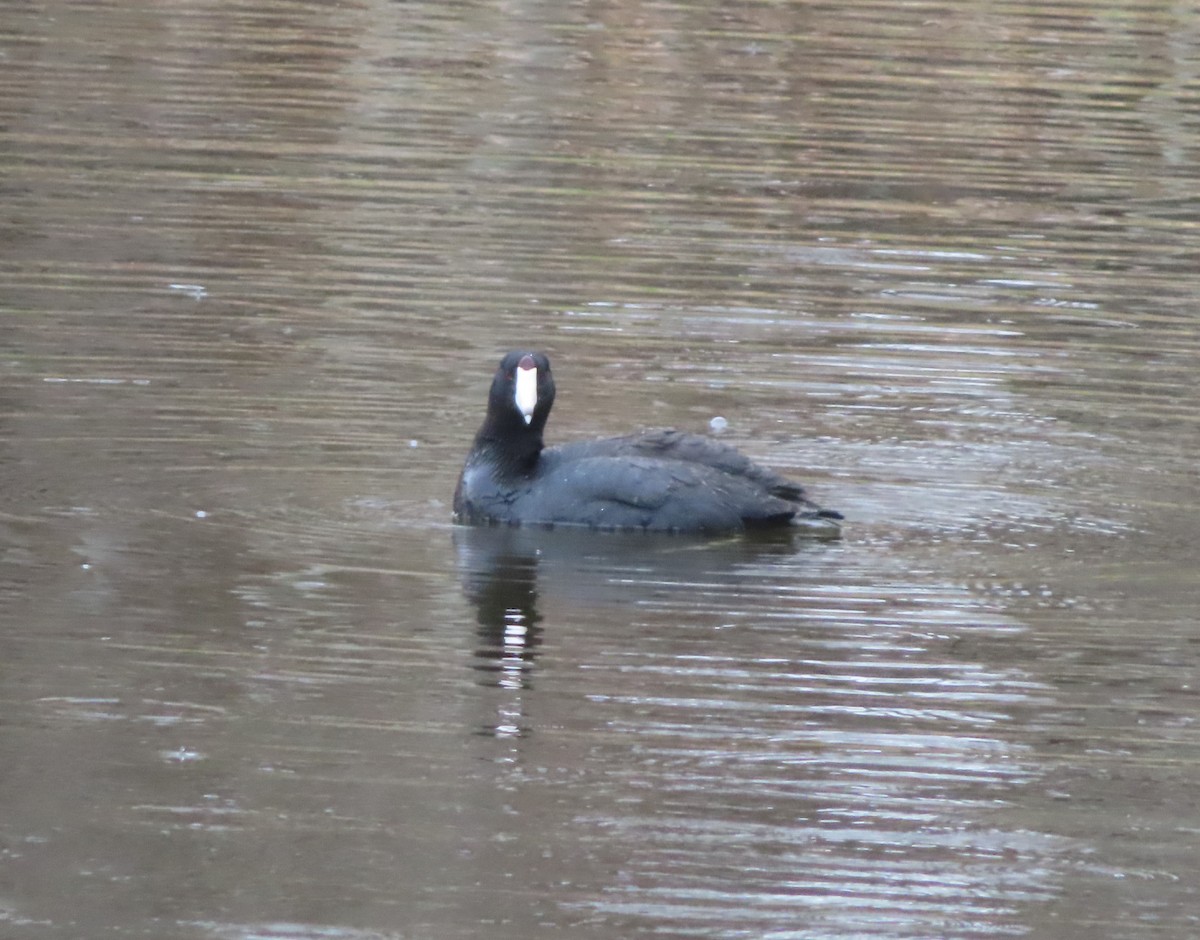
<point>511,451</point>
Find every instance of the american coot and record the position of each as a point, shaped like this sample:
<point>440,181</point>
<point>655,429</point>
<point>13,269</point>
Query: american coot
<point>659,480</point>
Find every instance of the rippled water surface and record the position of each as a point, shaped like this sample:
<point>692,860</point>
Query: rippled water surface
<point>938,261</point>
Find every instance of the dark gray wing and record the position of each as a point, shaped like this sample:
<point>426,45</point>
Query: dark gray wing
<point>671,444</point>
<point>632,490</point>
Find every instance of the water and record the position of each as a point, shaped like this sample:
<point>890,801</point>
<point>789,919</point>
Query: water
<point>936,261</point>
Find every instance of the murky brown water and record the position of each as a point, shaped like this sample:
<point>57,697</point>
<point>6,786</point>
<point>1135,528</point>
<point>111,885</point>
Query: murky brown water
<point>257,261</point>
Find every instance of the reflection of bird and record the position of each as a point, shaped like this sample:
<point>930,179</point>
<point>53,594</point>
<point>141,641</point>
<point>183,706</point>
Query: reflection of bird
<point>501,581</point>
<point>503,587</point>
<point>509,573</point>
<point>659,480</point>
